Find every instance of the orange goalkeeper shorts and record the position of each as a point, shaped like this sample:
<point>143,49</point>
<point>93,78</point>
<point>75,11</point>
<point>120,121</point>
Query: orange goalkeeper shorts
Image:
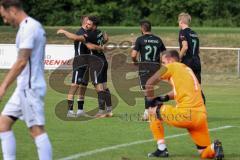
<point>193,119</point>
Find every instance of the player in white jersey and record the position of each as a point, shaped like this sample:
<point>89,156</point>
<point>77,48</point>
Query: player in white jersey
<point>27,101</point>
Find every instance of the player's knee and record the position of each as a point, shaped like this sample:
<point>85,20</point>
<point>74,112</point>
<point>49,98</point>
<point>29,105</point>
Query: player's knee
<point>200,149</point>
<point>6,123</point>
<point>74,85</point>
<point>70,97</point>
<point>4,127</point>
<point>99,88</point>
<point>81,97</point>
<point>36,131</point>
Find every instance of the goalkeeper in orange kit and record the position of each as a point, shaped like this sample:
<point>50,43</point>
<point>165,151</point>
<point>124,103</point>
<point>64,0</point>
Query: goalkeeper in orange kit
<point>189,112</point>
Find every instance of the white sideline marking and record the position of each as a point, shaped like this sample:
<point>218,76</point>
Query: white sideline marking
<point>84,154</point>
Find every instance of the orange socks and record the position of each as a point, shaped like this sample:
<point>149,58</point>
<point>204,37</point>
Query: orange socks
<point>157,129</point>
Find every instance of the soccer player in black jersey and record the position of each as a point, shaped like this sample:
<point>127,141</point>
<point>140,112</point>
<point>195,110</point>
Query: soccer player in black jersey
<point>80,74</point>
<point>94,40</point>
<point>98,67</point>
<point>189,46</point>
<point>146,53</point>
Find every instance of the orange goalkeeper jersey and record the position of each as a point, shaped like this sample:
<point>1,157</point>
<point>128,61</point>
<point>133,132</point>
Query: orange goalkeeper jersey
<point>187,90</point>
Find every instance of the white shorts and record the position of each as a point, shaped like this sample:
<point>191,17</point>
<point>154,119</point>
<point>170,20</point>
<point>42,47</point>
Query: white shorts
<point>27,105</point>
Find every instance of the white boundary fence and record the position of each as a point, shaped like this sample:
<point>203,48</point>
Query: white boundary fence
<point>57,55</point>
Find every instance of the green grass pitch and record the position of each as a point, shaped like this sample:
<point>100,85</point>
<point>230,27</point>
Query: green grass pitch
<point>93,139</point>
<point>78,137</point>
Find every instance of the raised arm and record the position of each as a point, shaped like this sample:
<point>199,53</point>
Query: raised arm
<point>71,36</point>
<point>94,47</point>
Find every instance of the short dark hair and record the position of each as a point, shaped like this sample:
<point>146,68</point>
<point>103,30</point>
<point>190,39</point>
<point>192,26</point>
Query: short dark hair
<point>95,20</point>
<point>11,3</point>
<point>146,25</point>
<point>172,53</point>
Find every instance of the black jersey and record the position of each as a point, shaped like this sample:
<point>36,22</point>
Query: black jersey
<point>79,47</point>
<point>96,37</point>
<point>149,46</point>
<point>191,58</point>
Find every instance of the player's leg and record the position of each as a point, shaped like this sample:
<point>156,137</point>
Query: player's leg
<point>80,100</point>
<point>7,137</point>
<point>146,70</point>
<point>42,142</point>
<point>82,81</point>
<point>108,98</point>
<point>9,115</point>
<point>101,100</point>
<point>33,115</point>
<point>198,76</point>
<point>98,73</point>
<point>142,82</point>
<point>195,121</point>
<point>72,91</point>
<point>172,116</point>
<point>201,138</point>
<point>157,129</point>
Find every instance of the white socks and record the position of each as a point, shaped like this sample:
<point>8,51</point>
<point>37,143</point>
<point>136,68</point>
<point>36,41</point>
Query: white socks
<point>8,142</point>
<point>8,145</point>
<point>161,145</point>
<point>44,147</point>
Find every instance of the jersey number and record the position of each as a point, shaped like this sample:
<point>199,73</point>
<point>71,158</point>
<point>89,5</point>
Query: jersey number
<point>194,41</point>
<point>150,49</point>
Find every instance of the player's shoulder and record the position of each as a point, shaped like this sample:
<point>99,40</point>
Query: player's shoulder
<point>157,38</point>
<point>93,32</point>
<point>193,33</point>
<point>175,65</point>
<point>32,22</point>
<point>189,31</point>
<point>81,31</point>
<point>140,39</point>
<point>30,25</point>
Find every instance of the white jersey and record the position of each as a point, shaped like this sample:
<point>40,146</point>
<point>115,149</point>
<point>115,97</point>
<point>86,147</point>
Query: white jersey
<point>31,35</point>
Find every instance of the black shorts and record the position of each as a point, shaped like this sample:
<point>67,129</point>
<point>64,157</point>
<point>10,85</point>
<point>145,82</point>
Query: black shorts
<point>81,76</point>
<point>195,64</point>
<point>80,70</point>
<point>146,71</point>
<point>98,67</point>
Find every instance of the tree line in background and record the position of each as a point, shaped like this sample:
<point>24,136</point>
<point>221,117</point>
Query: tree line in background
<point>224,13</point>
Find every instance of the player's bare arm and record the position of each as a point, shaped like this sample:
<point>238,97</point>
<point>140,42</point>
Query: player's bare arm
<point>134,55</point>
<point>184,49</point>
<point>150,84</point>
<point>95,47</point>
<point>71,36</point>
<point>155,79</point>
<point>16,69</point>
